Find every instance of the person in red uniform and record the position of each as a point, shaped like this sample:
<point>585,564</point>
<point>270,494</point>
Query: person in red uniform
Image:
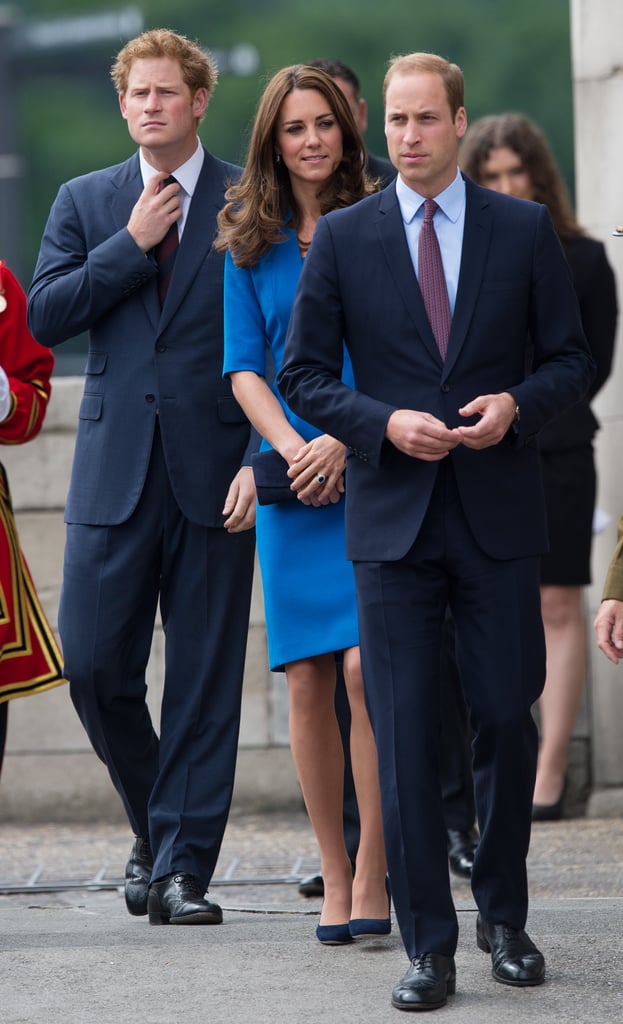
<point>30,659</point>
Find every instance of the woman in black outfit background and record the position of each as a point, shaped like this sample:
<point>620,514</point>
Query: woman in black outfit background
<point>509,153</point>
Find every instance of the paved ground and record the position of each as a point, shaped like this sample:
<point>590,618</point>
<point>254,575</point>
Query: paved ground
<point>70,953</point>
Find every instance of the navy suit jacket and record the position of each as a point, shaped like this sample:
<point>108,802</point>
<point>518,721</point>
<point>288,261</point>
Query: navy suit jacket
<point>92,276</point>
<point>358,284</point>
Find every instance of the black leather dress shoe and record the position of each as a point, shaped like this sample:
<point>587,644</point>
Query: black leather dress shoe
<point>179,899</point>
<point>313,885</point>
<point>461,850</point>
<point>515,959</point>
<point>431,978</point>
<point>138,876</point>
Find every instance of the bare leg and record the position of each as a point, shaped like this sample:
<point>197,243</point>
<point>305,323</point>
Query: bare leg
<point>565,638</point>
<point>319,760</point>
<point>369,894</point>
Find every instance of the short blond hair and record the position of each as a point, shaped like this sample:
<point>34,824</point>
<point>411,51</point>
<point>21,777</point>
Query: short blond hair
<point>430,63</point>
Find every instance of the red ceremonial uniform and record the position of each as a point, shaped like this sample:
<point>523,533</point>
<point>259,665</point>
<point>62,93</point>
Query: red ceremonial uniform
<point>29,656</point>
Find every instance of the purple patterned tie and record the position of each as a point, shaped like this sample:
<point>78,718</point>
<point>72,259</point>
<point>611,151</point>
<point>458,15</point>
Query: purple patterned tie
<point>165,252</point>
<point>433,280</point>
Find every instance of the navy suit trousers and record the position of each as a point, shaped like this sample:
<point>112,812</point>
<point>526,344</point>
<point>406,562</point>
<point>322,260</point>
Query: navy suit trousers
<point>501,658</point>
<point>175,779</point>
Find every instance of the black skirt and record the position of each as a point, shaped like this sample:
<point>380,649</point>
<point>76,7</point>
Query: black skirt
<point>569,479</point>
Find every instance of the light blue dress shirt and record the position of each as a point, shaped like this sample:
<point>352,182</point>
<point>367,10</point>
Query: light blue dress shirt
<point>449,221</point>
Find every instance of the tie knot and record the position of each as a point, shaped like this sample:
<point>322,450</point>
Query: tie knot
<point>167,181</point>
<point>430,208</point>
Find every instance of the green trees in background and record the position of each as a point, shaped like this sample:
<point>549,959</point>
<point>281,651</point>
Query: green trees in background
<point>515,56</point>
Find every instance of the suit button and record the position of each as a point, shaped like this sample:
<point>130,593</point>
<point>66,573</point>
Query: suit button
<point>150,398</point>
<point>445,388</point>
<point>160,347</point>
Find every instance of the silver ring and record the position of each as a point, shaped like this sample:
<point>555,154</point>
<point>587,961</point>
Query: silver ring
<point>320,477</point>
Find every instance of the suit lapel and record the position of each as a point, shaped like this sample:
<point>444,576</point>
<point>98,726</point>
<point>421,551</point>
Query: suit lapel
<point>394,243</point>
<point>476,234</point>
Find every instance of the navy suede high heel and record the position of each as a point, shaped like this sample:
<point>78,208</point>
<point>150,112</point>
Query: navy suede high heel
<point>372,927</point>
<point>334,934</point>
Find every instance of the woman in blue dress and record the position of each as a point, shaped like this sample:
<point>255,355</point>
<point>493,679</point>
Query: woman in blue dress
<point>305,158</point>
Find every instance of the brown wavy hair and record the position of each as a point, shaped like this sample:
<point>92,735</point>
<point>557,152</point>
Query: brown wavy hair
<point>257,206</point>
<point>518,133</point>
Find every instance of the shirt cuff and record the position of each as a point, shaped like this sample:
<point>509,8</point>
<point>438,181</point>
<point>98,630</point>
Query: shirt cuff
<point>5,396</point>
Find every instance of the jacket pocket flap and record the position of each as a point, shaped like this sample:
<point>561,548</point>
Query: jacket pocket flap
<point>91,407</point>
<point>96,362</point>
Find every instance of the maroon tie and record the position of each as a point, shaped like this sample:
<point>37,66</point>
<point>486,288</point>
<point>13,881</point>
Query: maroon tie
<point>166,251</point>
<point>433,280</point>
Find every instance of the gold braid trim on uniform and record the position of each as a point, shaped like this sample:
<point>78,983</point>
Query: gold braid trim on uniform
<point>30,659</point>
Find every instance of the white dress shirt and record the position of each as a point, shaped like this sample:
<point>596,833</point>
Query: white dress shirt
<point>187,175</point>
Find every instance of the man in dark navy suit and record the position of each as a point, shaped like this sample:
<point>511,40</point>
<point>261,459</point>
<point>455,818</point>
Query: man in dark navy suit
<point>455,765</point>
<point>444,504</point>
<point>161,498</point>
